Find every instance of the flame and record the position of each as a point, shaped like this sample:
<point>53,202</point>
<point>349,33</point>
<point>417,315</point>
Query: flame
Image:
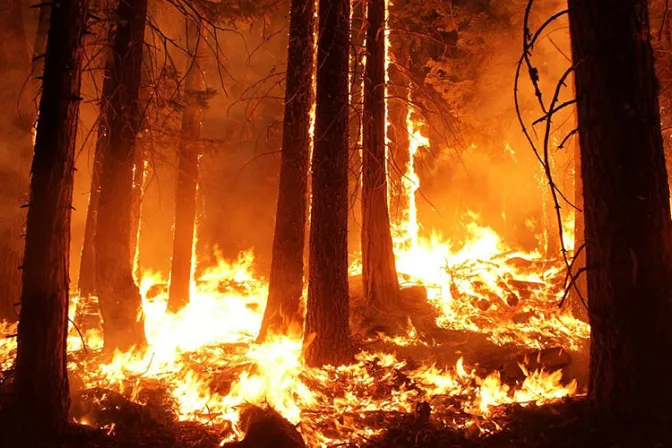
<point>205,356</point>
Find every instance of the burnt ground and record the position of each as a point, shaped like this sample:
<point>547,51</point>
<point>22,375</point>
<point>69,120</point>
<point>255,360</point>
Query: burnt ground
<point>567,424</point>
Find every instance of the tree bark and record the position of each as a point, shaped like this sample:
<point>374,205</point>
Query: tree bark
<point>42,392</point>
<point>626,207</point>
<point>283,314</point>
<point>187,178</point>
<point>576,305</point>
<point>381,285</point>
<point>120,301</point>
<point>327,332</point>
<point>137,193</point>
<point>357,55</point>
<point>87,267</point>
<point>15,153</point>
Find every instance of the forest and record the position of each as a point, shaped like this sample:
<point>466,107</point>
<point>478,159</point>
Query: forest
<point>335,223</point>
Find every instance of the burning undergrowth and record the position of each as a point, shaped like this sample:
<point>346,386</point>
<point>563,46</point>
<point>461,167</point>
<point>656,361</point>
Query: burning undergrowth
<point>484,333</point>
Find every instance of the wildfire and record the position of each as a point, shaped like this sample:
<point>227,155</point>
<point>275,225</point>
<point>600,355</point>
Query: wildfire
<point>206,358</point>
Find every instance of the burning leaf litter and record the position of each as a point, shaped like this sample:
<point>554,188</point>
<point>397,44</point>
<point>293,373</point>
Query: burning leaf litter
<point>205,359</point>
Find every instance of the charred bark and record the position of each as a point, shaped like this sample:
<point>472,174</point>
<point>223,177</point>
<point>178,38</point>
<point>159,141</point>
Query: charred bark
<point>283,312</point>
<point>187,179</point>
<point>120,301</point>
<point>626,207</point>
<point>381,285</point>
<point>42,393</point>
<point>15,152</point>
<point>327,333</point>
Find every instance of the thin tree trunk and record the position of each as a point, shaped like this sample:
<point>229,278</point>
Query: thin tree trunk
<point>327,332</point>
<point>576,305</point>
<point>357,42</point>
<point>626,208</point>
<point>137,193</point>
<point>187,177</point>
<point>42,392</point>
<point>120,302</point>
<point>381,285</point>
<point>283,312</point>
<point>16,152</point>
<point>87,267</point>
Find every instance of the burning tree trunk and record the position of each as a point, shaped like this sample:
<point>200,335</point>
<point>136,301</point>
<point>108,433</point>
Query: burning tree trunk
<point>187,179</point>
<point>626,207</point>
<point>381,285</point>
<point>327,333</point>
<point>576,305</point>
<point>119,297</point>
<point>357,42</point>
<point>15,150</point>
<point>42,393</point>
<point>137,192</point>
<point>283,309</point>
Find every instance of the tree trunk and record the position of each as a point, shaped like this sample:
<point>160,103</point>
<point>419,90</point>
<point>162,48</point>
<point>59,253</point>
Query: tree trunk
<point>137,193</point>
<point>381,286</point>
<point>576,305</point>
<point>327,332</point>
<point>187,177</point>
<point>42,392</point>
<point>283,314</point>
<point>626,207</point>
<point>87,267</point>
<point>357,42</point>
<point>120,302</point>
<point>15,153</point>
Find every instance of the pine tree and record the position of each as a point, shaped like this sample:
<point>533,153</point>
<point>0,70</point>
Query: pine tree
<point>381,286</point>
<point>327,332</point>
<point>626,207</point>
<point>120,301</point>
<point>283,310</point>
<point>42,393</point>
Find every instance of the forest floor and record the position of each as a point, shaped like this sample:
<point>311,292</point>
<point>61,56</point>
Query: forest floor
<point>566,424</point>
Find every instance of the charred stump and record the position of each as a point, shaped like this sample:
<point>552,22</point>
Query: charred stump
<point>42,393</point>
<point>120,300</point>
<point>626,207</point>
<point>327,333</point>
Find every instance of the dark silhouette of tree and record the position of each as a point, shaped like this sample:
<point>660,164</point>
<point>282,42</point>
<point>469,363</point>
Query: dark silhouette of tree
<point>626,207</point>
<point>16,151</point>
<point>283,310</point>
<point>187,176</point>
<point>381,286</point>
<point>120,301</point>
<point>42,393</point>
<point>327,332</point>
<point>87,267</point>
